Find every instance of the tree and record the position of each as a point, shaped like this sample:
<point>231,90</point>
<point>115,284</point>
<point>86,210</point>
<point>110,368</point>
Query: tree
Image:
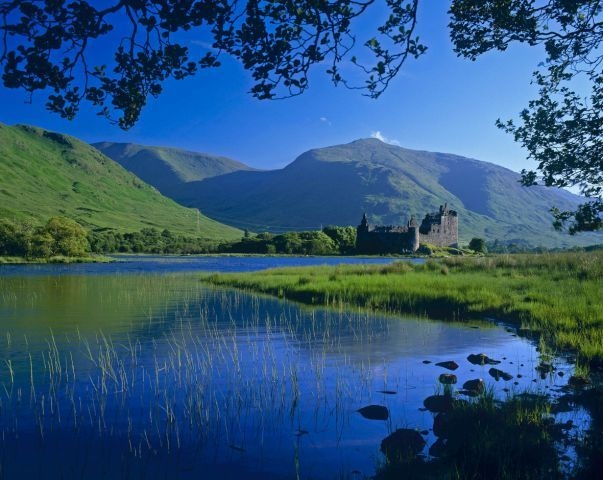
<point>62,236</point>
<point>45,47</point>
<point>478,245</point>
<point>561,130</point>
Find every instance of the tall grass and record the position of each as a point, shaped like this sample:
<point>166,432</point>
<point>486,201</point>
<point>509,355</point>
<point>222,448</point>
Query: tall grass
<point>555,295</point>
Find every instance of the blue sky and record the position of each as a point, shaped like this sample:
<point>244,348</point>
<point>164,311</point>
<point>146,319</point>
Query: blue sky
<point>437,103</point>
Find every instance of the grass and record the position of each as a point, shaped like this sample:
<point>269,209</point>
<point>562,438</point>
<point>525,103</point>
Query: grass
<point>556,296</point>
<point>45,174</point>
<point>54,259</point>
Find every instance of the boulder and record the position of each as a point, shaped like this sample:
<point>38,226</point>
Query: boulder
<point>403,443</point>
<point>438,403</point>
<point>438,448</point>
<point>450,365</point>
<point>474,387</point>
<point>374,412</point>
<point>447,379</point>
<point>481,359</point>
<point>498,374</point>
<point>441,425</point>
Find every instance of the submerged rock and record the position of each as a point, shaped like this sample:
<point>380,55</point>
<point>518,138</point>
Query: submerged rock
<point>578,382</point>
<point>403,443</point>
<point>498,374</point>
<point>441,425</point>
<point>374,412</point>
<point>438,448</point>
<point>438,403</point>
<point>448,378</point>
<point>481,359</point>
<point>474,387</point>
<point>449,365</point>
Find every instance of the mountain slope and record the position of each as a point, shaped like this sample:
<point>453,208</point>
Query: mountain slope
<point>335,185</point>
<point>43,174</point>
<point>168,168</point>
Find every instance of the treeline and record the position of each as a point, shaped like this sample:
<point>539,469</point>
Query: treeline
<point>59,236</point>
<point>328,241</point>
<point>62,236</point>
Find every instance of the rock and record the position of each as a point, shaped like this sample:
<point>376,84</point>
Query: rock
<point>374,412</point>
<point>481,359</point>
<point>449,365</point>
<point>403,443</point>
<point>447,378</point>
<point>438,403</point>
<point>498,374</point>
<point>441,425</point>
<point>578,382</point>
<point>474,387</point>
<point>544,368</point>
<point>387,392</point>
<point>438,448</point>
<point>426,362</point>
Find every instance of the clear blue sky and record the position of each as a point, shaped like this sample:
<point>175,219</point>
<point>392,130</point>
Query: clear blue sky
<point>438,103</point>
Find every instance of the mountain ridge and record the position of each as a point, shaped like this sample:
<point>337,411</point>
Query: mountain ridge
<point>45,174</point>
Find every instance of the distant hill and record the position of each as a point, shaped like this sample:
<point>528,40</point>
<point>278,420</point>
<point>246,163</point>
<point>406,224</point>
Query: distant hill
<point>43,174</point>
<point>166,168</point>
<point>336,185</point>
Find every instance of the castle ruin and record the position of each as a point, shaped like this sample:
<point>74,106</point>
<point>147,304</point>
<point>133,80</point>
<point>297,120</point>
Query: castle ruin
<point>439,228</point>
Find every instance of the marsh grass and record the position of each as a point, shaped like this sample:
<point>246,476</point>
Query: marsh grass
<point>557,295</point>
<point>490,439</point>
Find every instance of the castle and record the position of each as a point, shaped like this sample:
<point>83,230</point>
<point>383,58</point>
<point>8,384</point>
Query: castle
<point>438,228</point>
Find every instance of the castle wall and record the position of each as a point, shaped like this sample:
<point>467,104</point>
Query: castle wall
<point>439,228</point>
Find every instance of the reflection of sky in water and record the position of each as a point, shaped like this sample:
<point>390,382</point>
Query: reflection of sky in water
<point>257,387</point>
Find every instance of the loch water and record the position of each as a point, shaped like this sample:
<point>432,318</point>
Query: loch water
<point>135,369</point>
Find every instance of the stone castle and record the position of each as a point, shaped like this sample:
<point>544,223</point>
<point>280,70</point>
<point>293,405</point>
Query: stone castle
<point>438,228</point>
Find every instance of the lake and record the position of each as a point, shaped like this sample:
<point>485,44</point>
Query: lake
<point>136,369</point>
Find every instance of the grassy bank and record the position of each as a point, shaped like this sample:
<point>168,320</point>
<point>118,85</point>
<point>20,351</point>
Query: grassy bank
<point>55,259</point>
<point>557,296</point>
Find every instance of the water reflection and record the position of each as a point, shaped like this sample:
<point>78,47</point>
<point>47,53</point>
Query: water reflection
<point>130,375</point>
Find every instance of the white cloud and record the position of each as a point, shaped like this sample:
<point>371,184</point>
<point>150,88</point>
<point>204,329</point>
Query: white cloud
<point>325,120</point>
<point>379,136</point>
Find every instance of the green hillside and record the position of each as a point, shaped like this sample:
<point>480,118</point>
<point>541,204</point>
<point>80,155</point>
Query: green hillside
<point>168,168</point>
<point>43,174</point>
<point>336,185</point>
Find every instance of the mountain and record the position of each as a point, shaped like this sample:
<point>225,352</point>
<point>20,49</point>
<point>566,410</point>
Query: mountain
<point>167,169</point>
<point>336,185</point>
<point>43,174</point>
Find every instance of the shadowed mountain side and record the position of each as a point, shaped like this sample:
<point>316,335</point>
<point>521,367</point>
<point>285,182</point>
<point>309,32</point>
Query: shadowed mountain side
<point>335,185</point>
<point>45,174</point>
<point>166,168</point>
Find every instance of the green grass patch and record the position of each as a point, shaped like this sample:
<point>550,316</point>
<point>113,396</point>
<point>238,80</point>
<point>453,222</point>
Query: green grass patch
<point>557,296</point>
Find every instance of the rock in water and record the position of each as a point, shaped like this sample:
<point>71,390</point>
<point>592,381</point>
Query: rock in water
<point>402,444</point>
<point>374,412</point>
<point>438,403</point>
<point>447,379</point>
<point>498,374</point>
<point>481,359</point>
<point>450,365</point>
<point>474,387</point>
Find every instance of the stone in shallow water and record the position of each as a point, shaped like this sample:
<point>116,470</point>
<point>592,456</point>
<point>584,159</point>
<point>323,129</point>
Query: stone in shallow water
<point>498,374</point>
<point>438,403</point>
<point>474,387</point>
<point>450,365</point>
<point>481,359</point>
<point>403,443</point>
<point>374,412</point>
<point>447,378</point>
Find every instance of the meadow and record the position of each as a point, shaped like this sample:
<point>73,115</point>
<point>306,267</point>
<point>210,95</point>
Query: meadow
<point>553,296</point>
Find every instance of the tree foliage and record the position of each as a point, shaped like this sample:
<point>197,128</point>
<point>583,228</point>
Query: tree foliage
<point>562,129</point>
<point>47,47</point>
